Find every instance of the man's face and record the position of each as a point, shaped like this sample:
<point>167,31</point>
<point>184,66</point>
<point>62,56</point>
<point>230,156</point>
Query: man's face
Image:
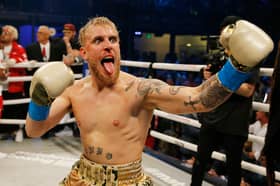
<point>6,36</point>
<point>102,51</point>
<point>69,34</point>
<point>43,34</point>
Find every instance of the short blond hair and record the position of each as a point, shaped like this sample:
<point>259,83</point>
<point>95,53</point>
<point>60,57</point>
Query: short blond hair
<point>11,29</point>
<point>95,21</point>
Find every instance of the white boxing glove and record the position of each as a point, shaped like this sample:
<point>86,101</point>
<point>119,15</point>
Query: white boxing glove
<point>47,83</point>
<point>247,43</point>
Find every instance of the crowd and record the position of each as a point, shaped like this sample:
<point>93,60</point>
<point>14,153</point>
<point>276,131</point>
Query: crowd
<point>45,49</point>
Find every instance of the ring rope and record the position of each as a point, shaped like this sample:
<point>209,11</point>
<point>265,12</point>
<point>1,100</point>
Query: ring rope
<point>144,64</point>
<point>195,123</point>
<point>216,155</point>
<point>140,64</point>
<point>261,106</point>
<point>28,78</point>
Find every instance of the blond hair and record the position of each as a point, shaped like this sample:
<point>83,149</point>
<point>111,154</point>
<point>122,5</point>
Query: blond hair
<point>12,30</point>
<point>95,21</point>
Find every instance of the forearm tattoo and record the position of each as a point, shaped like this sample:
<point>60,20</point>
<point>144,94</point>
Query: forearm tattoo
<point>213,93</point>
<point>91,150</point>
<point>191,103</point>
<point>148,86</point>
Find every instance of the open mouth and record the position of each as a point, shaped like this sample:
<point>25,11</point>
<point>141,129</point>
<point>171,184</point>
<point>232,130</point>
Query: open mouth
<point>108,64</point>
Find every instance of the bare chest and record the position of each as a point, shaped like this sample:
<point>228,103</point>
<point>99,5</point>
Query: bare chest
<point>105,111</point>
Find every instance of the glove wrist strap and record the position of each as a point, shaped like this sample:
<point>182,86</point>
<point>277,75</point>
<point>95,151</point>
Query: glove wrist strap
<point>239,66</point>
<point>230,77</point>
<point>38,112</point>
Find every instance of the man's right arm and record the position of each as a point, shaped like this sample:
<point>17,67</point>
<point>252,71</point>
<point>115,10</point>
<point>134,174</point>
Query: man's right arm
<point>59,107</point>
<point>49,99</point>
<point>246,90</point>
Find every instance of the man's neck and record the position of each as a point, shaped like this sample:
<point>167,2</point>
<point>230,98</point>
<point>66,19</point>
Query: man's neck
<point>44,42</point>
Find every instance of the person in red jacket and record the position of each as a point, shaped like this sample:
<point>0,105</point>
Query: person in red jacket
<point>13,53</point>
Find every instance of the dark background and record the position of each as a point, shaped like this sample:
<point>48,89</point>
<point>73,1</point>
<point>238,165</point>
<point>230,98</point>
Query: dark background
<point>187,17</point>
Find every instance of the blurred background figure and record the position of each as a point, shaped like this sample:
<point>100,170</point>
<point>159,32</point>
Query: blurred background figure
<point>3,73</point>
<point>45,49</point>
<point>70,45</point>
<point>13,53</point>
<point>252,150</point>
<point>226,127</point>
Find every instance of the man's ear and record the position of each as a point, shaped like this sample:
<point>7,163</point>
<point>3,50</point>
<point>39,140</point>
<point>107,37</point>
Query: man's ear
<point>83,53</point>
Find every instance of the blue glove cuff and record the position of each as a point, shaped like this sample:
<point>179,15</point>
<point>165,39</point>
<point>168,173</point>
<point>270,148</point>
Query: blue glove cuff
<point>37,112</point>
<point>230,77</point>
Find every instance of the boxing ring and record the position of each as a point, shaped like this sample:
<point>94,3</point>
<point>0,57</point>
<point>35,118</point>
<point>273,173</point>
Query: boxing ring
<point>51,159</point>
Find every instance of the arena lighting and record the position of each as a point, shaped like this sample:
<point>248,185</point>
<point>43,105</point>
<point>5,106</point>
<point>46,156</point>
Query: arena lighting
<point>214,37</point>
<point>138,33</point>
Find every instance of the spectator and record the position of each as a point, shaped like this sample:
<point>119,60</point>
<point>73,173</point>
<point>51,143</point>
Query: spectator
<point>43,50</point>
<point>13,53</point>
<point>71,44</point>
<point>227,125</point>
<point>252,152</point>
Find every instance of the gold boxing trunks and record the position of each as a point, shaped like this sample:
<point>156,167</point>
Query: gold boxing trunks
<point>87,173</point>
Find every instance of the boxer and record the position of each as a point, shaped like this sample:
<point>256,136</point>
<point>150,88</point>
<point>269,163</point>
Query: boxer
<point>114,109</point>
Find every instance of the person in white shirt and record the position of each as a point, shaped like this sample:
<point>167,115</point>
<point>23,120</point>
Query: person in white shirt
<point>252,152</point>
<point>258,128</point>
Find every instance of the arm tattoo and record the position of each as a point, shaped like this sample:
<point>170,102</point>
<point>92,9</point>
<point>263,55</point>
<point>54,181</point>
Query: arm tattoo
<point>213,93</point>
<point>191,103</point>
<point>173,90</point>
<point>148,86</point>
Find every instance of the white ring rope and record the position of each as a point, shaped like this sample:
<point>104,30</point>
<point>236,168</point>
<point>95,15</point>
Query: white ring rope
<point>145,64</point>
<point>178,67</point>
<point>28,78</point>
<point>216,155</point>
<point>16,101</point>
<point>178,118</point>
<point>261,106</point>
<point>195,123</point>
<point>140,64</point>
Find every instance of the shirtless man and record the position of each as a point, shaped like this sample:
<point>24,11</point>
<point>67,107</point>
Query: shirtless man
<point>113,109</point>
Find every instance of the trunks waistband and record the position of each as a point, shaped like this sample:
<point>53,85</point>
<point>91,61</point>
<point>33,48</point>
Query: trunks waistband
<point>123,174</point>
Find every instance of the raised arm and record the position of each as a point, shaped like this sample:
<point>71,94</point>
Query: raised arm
<point>47,83</point>
<point>180,99</point>
<point>59,107</point>
<point>248,45</point>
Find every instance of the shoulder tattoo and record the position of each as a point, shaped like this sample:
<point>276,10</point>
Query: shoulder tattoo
<point>149,86</point>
